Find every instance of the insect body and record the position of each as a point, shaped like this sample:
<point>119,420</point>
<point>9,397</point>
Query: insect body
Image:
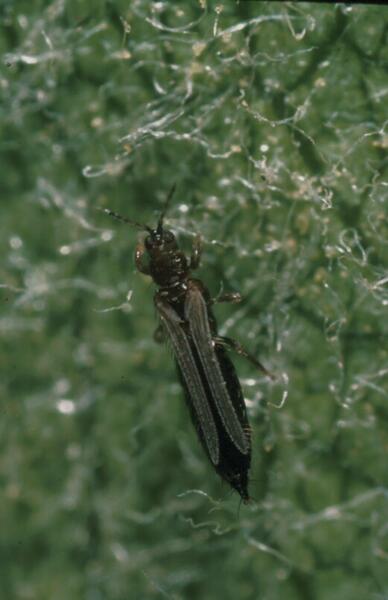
<point>212,389</point>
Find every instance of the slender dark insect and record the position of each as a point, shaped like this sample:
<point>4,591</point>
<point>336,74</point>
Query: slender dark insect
<point>212,389</point>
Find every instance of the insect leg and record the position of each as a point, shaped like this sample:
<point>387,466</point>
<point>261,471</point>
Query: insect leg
<point>222,296</point>
<point>140,265</point>
<point>233,297</point>
<point>237,347</point>
<point>196,251</point>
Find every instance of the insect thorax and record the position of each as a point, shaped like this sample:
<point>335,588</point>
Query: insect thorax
<point>168,269</point>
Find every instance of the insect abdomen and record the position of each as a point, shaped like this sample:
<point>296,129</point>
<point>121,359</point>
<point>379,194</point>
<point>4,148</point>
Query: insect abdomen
<point>233,465</point>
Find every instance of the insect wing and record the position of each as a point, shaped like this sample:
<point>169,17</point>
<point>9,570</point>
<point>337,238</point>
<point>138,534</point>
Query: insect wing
<point>196,314</point>
<point>186,361</point>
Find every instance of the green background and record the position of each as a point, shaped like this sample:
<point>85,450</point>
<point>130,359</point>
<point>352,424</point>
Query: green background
<point>271,119</point>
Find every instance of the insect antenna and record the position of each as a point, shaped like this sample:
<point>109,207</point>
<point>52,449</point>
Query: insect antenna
<point>165,208</point>
<point>119,217</point>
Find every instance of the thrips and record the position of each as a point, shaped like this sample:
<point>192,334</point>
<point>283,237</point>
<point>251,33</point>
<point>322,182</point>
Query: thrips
<point>211,386</point>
